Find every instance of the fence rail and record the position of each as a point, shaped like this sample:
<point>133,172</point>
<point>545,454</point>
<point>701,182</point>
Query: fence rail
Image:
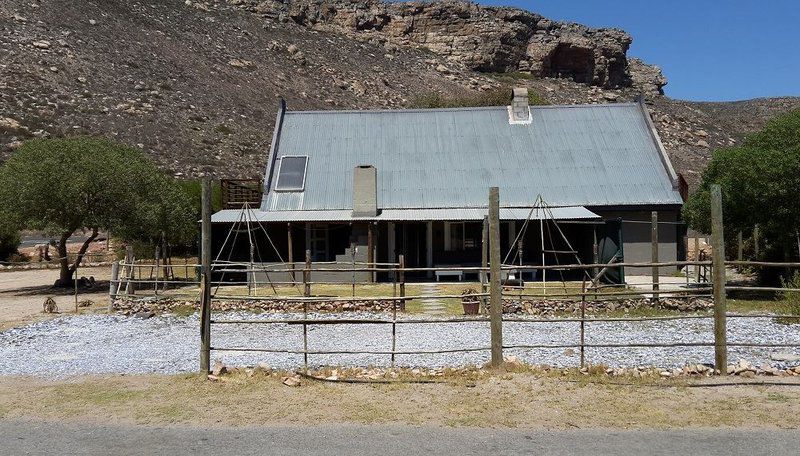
<point>212,286</point>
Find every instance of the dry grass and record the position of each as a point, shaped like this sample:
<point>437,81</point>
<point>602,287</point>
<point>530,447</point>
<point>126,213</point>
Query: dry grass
<point>510,399</point>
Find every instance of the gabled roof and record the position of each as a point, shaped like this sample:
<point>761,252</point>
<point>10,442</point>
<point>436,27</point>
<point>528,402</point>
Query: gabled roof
<point>589,155</point>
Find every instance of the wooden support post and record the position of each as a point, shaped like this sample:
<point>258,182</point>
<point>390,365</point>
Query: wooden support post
<point>583,322</point>
<point>130,288</point>
<point>756,235</point>
<point>307,275</point>
<point>654,256</point>
<point>740,246</point>
<point>697,257</point>
<point>305,336</point>
<point>429,247</point>
<point>371,250</point>
<point>290,253</point>
<point>718,274</point>
<point>595,256</point>
<point>205,279</point>
<point>158,269</point>
<point>401,267</point>
<point>495,302</point>
<point>112,286</point>
<point>484,263</point>
<point>75,284</point>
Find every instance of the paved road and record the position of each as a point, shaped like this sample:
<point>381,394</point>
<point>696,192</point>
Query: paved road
<point>36,438</point>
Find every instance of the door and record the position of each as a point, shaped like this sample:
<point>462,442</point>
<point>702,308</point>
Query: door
<point>610,246</point>
<point>318,242</point>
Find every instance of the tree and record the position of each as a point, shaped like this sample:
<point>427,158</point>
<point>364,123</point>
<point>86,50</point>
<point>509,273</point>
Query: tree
<point>760,182</point>
<point>9,237</point>
<point>62,186</point>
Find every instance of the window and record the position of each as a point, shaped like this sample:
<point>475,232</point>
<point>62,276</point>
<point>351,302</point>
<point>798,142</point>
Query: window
<point>292,174</point>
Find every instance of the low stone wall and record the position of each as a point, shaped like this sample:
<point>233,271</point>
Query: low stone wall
<point>134,306</point>
<point>546,307</point>
<point>510,306</point>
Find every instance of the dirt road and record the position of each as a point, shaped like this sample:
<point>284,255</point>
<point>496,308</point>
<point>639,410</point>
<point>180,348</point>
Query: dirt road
<point>46,438</point>
<point>23,292</point>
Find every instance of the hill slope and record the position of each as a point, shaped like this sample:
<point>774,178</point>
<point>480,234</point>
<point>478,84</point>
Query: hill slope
<point>196,84</point>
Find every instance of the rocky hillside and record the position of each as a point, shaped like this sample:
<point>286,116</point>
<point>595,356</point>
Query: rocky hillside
<point>195,84</point>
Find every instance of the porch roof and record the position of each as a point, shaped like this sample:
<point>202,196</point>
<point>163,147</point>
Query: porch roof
<point>404,215</point>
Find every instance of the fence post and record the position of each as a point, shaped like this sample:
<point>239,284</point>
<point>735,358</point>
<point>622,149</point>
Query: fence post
<point>130,287</point>
<point>205,279</point>
<point>583,322</point>
<point>718,275</point>
<point>697,257</point>
<point>495,302</point>
<point>484,262</point>
<point>112,286</point>
<point>654,248</point>
<point>307,275</point>
<point>402,270</point>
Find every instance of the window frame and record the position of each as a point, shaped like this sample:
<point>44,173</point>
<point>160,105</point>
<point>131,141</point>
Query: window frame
<point>302,187</point>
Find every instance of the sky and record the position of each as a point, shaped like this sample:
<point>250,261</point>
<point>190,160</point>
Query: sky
<point>709,50</point>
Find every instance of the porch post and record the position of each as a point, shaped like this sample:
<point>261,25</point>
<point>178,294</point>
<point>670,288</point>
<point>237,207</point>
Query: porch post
<point>484,261</point>
<point>390,242</point>
<point>371,250</point>
<point>429,247</point>
<point>290,256</point>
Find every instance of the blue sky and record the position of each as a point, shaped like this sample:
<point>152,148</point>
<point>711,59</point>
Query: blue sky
<point>709,50</point>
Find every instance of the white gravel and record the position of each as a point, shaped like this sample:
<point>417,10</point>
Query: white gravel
<point>102,344</point>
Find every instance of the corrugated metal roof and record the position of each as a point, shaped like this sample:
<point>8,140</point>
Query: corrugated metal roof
<point>592,155</point>
<point>518,213</point>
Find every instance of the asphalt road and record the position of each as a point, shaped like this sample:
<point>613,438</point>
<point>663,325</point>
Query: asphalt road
<point>34,438</point>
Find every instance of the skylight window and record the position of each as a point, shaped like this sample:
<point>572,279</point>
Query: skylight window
<point>292,174</point>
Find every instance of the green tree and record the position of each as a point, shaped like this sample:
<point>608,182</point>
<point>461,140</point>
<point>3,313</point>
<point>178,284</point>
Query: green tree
<point>760,182</point>
<point>9,237</point>
<point>62,186</point>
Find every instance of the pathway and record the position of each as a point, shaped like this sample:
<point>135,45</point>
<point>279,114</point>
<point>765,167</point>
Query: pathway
<point>432,306</point>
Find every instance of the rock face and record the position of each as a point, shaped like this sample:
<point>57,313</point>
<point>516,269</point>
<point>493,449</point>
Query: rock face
<point>486,39</point>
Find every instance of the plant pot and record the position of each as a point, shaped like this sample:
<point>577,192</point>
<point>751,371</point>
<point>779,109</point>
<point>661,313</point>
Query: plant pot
<point>471,307</point>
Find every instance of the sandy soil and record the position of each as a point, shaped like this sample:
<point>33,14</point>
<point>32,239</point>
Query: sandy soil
<point>22,294</point>
<point>520,400</point>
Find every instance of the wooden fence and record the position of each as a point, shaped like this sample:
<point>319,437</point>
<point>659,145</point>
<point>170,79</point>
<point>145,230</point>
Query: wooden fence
<point>491,296</point>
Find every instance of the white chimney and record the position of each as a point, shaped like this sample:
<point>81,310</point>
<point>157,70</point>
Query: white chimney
<point>519,113</point>
<point>365,191</point>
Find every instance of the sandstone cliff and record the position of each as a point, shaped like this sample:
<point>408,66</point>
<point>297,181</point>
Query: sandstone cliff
<point>486,39</point>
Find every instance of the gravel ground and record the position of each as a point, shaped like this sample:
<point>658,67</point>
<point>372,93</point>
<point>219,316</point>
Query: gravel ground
<point>100,344</point>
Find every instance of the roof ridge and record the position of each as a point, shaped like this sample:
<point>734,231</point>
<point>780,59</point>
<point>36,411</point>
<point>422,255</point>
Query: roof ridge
<point>467,108</point>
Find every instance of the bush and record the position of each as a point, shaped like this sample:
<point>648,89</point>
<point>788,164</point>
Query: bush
<point>495,97</point>
<point>792,297</point>
<point>9,241</point>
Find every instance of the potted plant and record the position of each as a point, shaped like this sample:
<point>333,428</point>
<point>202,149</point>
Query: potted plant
<point>470,302</point>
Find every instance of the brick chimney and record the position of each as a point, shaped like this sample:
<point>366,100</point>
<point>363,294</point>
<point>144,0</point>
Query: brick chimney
<point>519,112</point>
<point>365,191</point>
